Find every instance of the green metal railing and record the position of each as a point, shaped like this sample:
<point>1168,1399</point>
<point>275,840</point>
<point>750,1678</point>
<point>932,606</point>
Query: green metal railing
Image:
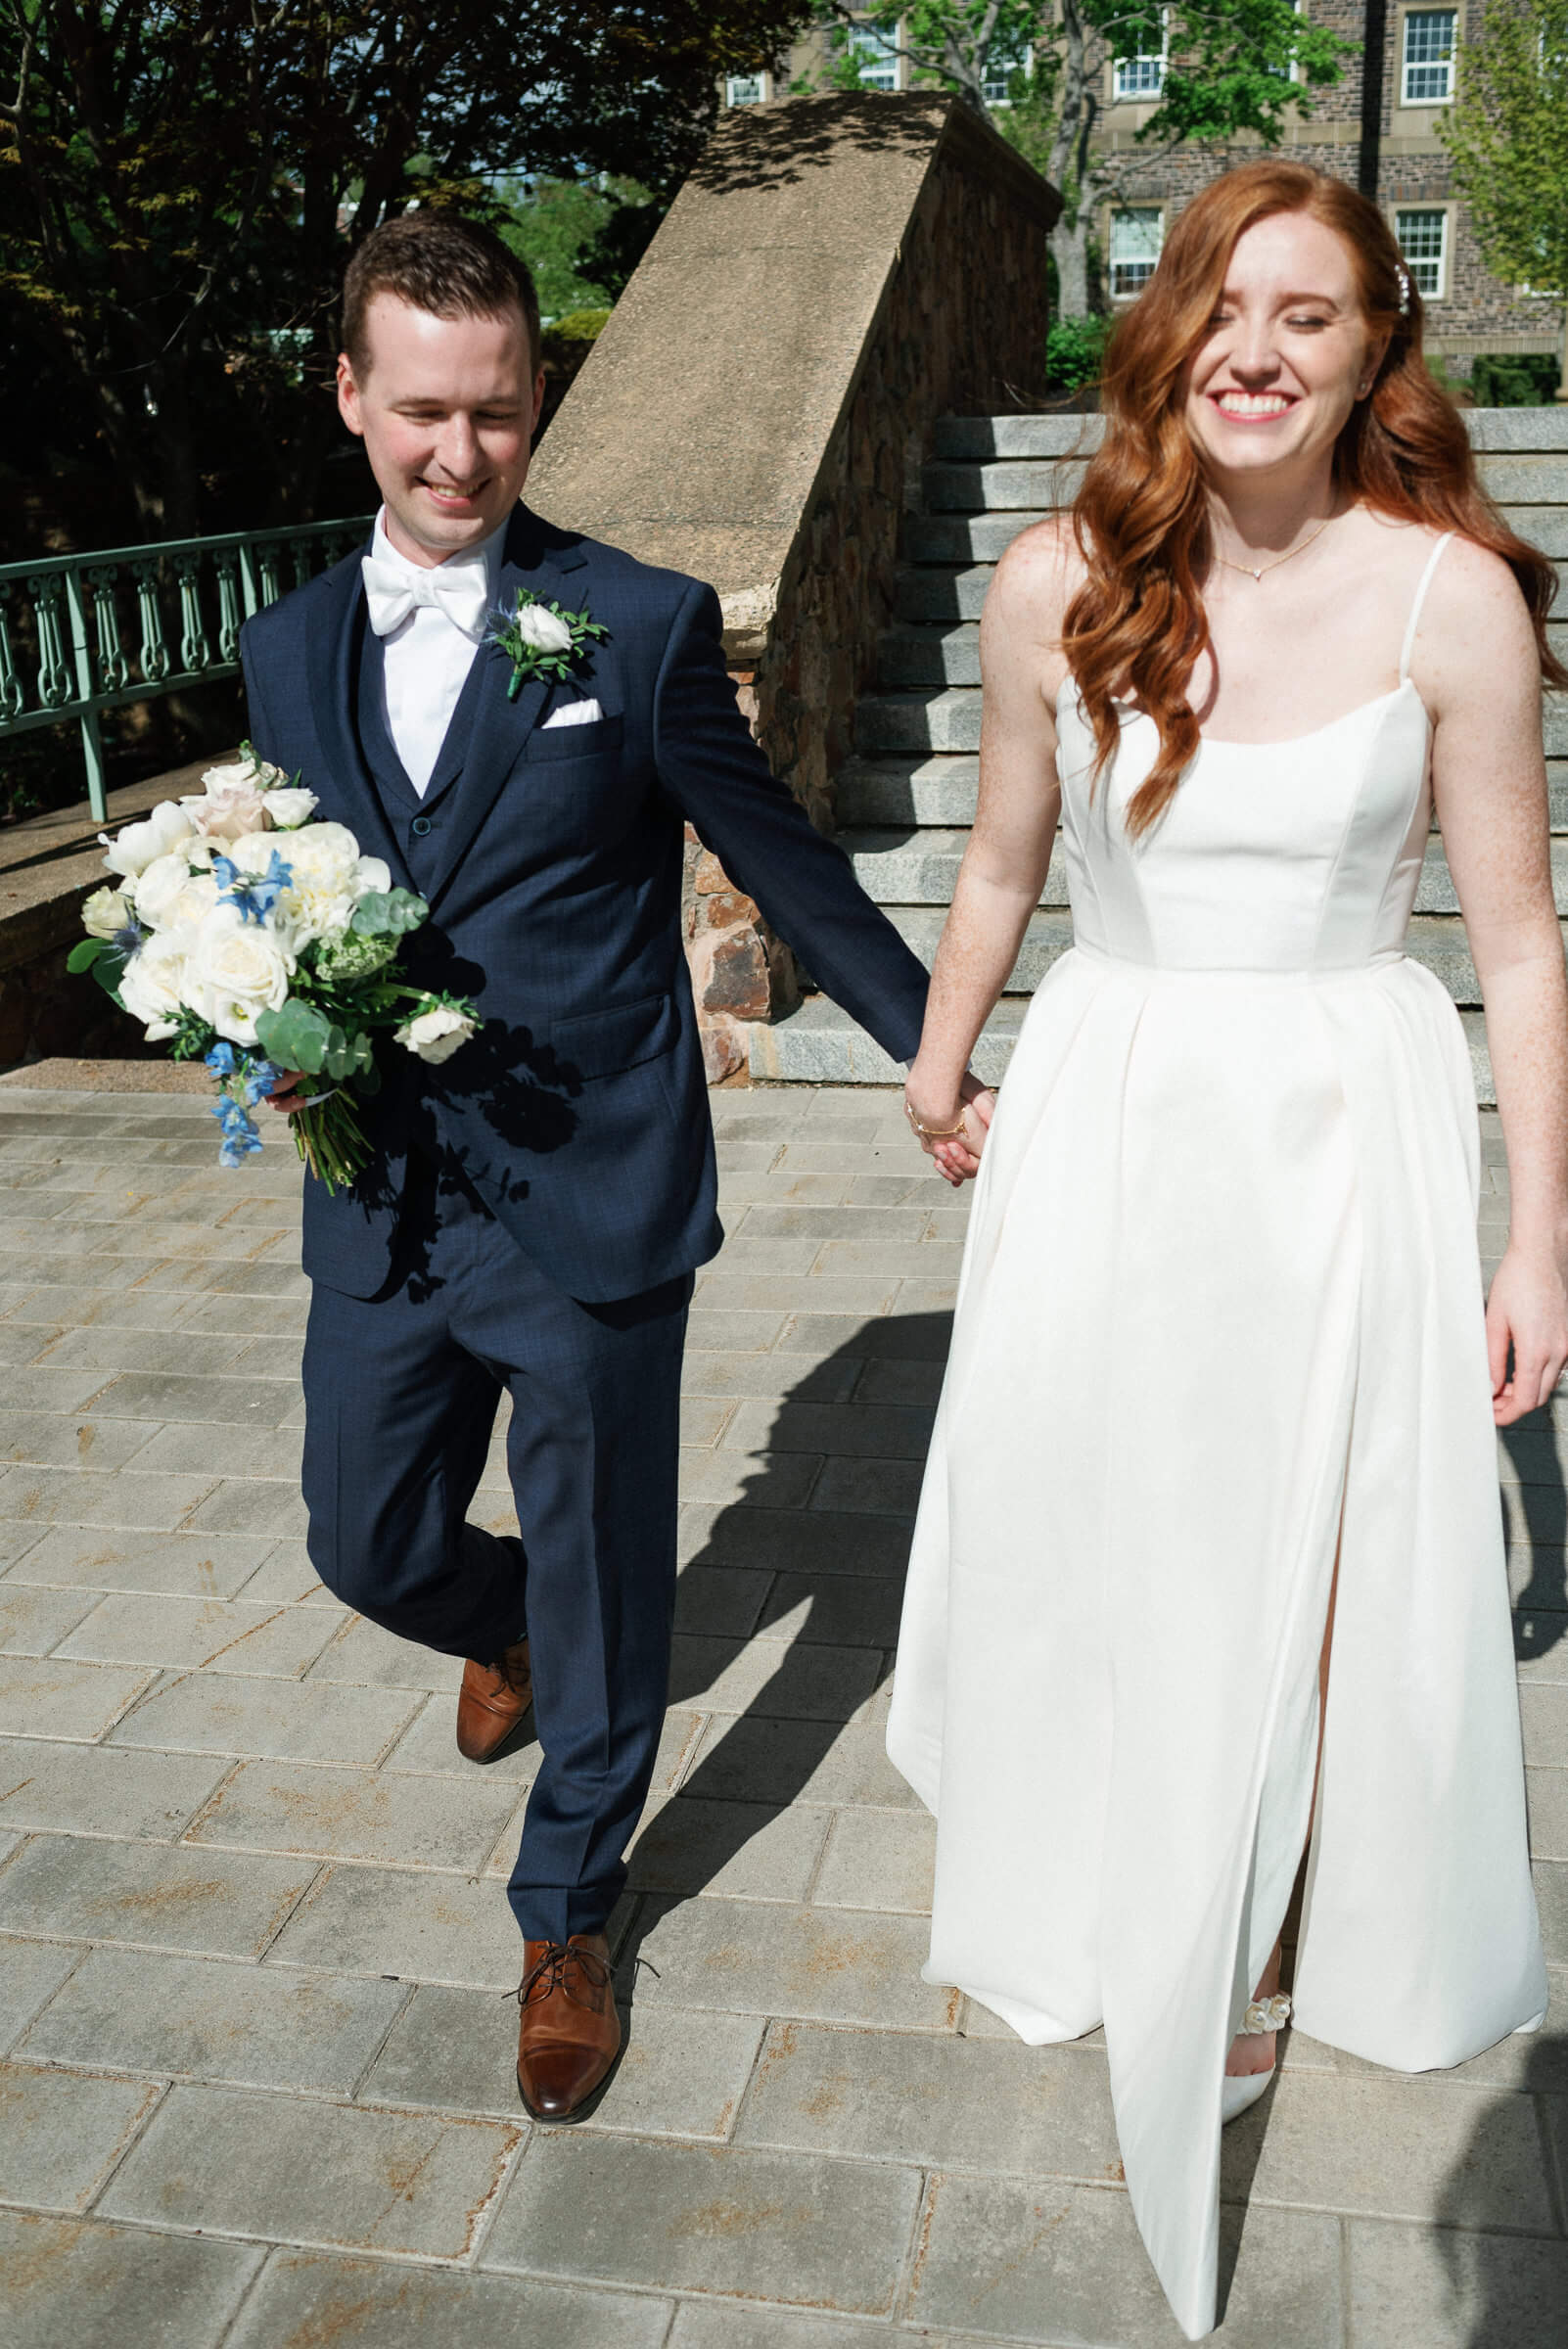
<point>182,603</point>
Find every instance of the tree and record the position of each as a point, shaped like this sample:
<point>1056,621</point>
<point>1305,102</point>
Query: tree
<point>180,187</point>
<point>1228,70</point>
<point>1507,132</point>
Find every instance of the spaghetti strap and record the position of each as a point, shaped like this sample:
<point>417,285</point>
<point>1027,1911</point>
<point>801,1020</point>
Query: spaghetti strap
<point>1409,646</point>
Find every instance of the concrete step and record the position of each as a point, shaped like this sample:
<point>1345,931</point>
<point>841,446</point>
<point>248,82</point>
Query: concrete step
<point>921,868</point>
<point>947,594</point>
<point>965,537</point>
<point>900,724</point>
<point>1038,483</point>
<point>820,1045</point>
<point>976,440</point>
<point>943,790</point>
<point>912,654</point>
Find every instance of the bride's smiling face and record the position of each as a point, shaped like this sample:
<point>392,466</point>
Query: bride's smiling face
<point>1288,352</point>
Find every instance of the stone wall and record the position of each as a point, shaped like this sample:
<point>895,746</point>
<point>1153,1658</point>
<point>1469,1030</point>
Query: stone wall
<point>838,272</point>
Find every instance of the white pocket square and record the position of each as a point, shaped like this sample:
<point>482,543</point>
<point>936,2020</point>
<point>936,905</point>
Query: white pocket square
<point>574,714</point>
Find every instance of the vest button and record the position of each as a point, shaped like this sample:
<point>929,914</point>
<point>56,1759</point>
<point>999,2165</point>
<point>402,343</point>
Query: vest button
<point>420,826</point>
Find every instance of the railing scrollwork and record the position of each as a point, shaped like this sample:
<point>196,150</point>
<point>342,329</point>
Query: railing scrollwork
<point>68,622</point>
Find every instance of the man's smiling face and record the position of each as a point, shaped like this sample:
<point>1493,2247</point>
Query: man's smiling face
<point>446,409</point>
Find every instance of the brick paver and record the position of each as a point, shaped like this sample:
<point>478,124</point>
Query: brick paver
<point>256,2079</point>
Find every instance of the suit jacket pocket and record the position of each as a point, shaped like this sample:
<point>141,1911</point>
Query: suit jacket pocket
<point>601,1043</point>
<point>554,746</point>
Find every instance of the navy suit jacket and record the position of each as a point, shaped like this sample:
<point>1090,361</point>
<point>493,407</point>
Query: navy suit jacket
<point>552,863</point>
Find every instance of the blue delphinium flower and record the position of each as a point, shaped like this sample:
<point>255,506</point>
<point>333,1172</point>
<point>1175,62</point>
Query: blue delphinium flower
<point>260,1078</point>
<point>239,1131</point>
<point>222,1060</point>
<point>254,895</point>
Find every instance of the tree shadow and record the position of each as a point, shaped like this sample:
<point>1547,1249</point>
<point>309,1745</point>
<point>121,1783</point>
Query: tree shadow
<point>831,1581</point>
<point>768,147</point>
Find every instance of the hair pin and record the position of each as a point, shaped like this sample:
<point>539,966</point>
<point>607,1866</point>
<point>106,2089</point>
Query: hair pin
<point>1403,276</point>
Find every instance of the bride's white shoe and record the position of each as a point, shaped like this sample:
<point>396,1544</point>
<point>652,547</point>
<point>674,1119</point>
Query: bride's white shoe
<point>1241,2091</point>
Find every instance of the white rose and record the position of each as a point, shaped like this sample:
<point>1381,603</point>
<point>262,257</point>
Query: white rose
<point>372,878</point>
<point>134,847</point>
<point>290,805</point>
<point>159,890</point>
<point>237,970</point>
<point>227,808</point>
<point>246,774</point>
<point>546,630</point>
<point>253,852</point>
<point>104,912</point>
<point>436,1034</point>
<point>194,901</point>
<point>153,984</point>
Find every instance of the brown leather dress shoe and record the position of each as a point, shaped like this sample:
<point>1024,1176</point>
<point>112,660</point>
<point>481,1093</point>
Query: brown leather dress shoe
<point>571,2031</point>
<point>492,1700</point>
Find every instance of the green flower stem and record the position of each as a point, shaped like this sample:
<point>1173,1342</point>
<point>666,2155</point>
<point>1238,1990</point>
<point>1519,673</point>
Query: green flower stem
<point>331,1142</point>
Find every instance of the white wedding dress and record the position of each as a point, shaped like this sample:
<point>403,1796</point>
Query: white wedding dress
<point>1220,1314</point>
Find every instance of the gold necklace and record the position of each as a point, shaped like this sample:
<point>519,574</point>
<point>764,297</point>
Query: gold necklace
<point>1257,572</point>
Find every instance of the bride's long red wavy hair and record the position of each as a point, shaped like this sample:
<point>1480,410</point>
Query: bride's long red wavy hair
<point>1137,625</point>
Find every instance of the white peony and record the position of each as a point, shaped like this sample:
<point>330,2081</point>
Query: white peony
<point>196,900</point>
<point>372,877</point>
<point>134,847</point>
<point>546,631</point>
<point>237,969</point>
<point>159,888</point>
<point>153,982</point>
<point>290,806</point>
<point>104,912</point>
<point>436,1034</point>
<point>323,857</point>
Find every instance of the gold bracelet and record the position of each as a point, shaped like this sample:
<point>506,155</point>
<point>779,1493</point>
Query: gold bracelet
<point>931,1134</point>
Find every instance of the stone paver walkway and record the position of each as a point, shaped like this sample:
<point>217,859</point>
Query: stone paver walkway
<point>253,1942</point>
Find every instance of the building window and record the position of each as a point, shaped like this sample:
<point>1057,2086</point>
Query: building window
<point>745,89</point>
<point>1140,77</point>
<point>874,55</point>
<point>995,81</point>
<point>1428,75</point>
<point>1424,242</point>
<point>1136,240</point>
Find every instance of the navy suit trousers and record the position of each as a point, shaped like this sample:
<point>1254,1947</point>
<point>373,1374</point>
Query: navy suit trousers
<point>401,1392</point>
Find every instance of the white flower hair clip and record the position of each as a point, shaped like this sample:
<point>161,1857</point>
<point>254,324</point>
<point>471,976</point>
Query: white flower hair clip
<point>1403,276</point>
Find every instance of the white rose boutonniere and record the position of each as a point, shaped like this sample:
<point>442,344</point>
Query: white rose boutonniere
<point>542,640</point>
<point>436,1033</point>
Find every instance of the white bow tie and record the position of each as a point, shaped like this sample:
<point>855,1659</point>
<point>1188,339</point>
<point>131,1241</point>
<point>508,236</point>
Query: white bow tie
<point>462,593</point>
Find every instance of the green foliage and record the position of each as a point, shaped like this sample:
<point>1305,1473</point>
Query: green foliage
<point>1075,348</point>
<point>387,913</point>
<point>1516,380</point>
<point>181,186</point>
<point>1508,133</point>
<point>295,1036</point>
<point>558,226</point>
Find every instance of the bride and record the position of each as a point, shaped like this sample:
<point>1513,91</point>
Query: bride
<point>1209,1565</point>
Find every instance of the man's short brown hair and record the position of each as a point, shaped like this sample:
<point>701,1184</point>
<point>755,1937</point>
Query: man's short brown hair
<point>438,262</point>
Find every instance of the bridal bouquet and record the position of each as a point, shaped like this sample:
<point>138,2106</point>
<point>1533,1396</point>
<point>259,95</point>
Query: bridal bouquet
<point>243,933</point>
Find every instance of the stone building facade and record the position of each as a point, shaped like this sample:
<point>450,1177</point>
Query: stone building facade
<point>1469,311</point>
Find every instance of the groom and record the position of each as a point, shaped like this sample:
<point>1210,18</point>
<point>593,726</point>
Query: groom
<point>537,1204</point>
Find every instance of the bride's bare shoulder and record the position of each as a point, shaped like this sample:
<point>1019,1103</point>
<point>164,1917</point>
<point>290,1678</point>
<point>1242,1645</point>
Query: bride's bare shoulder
<point>1034,582</point>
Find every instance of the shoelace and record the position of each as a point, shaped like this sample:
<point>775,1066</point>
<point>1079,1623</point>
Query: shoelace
<point>551,1970</point>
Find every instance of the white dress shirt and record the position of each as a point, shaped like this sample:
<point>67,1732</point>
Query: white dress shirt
<point>427,659</point>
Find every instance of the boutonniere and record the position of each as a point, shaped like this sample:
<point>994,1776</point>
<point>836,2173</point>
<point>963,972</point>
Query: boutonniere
<point>541,640</point>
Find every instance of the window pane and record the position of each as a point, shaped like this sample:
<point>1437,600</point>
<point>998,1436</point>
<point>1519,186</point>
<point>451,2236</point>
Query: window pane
<point>997,74</point>
<point>1428,55</point>
<point>744,89</point>
<point>1135,240</point>
<point>1139,76</point>
<point>1423,241</point>
<point>875,56</point>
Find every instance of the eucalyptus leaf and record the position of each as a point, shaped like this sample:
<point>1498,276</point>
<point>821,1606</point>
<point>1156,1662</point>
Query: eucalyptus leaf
<point>388,911</point>
<point>295,1038</point>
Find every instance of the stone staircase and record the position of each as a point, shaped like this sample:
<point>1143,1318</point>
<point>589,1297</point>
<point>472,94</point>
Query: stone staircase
<point>907,800</point>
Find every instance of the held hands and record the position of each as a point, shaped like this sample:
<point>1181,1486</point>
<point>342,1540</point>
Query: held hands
<point>956,1154</point>
<point>1527,1318</point>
